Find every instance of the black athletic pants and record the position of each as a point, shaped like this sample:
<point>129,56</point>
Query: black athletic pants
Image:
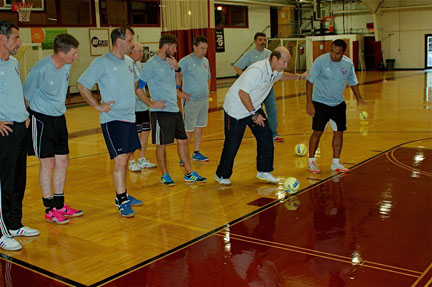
<point>13,160</point>
<point>234,131</point>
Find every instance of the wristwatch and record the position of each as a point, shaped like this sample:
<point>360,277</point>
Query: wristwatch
<point>178,70</point>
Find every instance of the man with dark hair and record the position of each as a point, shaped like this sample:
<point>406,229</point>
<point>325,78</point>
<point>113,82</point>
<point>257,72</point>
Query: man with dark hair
<point>45,90</point>
<point>195,71</point>
<point>13,157</point>
<point>116,78</point>
<point>257,54</point>
<point>326,103</point>
<point>242,108</point>
<point>162,75</point>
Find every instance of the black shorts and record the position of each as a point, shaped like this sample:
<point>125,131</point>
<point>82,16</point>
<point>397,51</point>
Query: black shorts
<point>142,121</point>
<point>120,137</point>
<point>324,114</point>
<point>166,127</point>
<point>49,135</point>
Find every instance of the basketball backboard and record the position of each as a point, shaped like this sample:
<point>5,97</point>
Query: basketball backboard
<point>38,5</point>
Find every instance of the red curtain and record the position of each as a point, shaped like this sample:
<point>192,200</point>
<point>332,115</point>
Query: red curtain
<point>185,47</point>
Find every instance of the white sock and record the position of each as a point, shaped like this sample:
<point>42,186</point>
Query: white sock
<point>335,160</point>
<point>311,159</point>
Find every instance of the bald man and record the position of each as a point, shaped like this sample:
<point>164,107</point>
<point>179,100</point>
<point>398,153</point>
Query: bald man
<point>142,117</point>
<point>242,108</point>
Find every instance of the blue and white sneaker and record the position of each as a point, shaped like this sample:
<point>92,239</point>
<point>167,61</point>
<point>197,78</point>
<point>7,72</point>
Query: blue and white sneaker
<point>181,163</point>
<point>199,156</point>
<point>126,210</point>
<point>194,177</point>
<point>132,201</point>
<point>167,180</point>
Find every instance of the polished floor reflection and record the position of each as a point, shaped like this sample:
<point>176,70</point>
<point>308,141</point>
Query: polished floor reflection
<point>371,227</point>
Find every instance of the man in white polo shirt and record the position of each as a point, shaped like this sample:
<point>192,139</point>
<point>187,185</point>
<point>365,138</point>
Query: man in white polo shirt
<point>243,108</point>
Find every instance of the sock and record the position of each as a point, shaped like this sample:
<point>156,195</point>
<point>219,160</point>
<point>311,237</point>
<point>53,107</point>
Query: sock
<point>335,161</point>
<point>59,201</point>
<point>311,159</point>
<point>196,151</point>
<point>122,197</point>
<point>48,203</point>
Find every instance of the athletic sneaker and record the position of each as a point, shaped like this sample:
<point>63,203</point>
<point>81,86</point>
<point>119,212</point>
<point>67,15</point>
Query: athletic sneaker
<point>313,168</point>
<point>267,176</point>
<point>133,166</point>
<point>181,163</point>
<point>68,211</point>
<point>278,139</point>
<point>199,156</point>
<point>132,201</point>
<point>8,243</point>
<point>144,163</point>
<point>339,168</point>
<point>126,210</point>
<point>167,180</point>
<point>55,217</point>
<point>24,231</point>
<point>222,181</point>
<point>194,177</point>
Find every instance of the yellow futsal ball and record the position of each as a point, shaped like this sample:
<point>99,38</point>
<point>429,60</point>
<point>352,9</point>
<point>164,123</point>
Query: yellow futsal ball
<point>291,184</point>
<point>300,149</point>
<point>363,115</point>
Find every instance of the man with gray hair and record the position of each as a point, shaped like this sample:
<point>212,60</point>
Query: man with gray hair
<point>14,120</point>
<point>242,108</point>
<point>142,117</point>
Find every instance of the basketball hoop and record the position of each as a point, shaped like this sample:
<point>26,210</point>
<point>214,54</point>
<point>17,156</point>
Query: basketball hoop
<point>23,9</point>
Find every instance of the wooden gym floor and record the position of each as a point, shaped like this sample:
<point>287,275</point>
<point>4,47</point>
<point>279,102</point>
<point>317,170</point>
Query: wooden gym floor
<point>371,227</point>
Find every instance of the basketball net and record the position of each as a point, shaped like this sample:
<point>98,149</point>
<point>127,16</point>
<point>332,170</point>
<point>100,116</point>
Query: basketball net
<point>24,10</point>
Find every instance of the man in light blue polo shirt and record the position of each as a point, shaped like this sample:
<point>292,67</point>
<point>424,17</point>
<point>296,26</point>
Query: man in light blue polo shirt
<point>326,103</point>
<point>45,90</point>
<point>13,146</point>
<point>116,78</point>
<point>257,54</point>
<point>162,75</point>
<point>195,70</point>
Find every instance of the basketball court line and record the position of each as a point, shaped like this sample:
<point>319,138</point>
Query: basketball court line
<point>40,271</point>
<point>422,276</point>
<point>391,157</point>
<point>324,255</point>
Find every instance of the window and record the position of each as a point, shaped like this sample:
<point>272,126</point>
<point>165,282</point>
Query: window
<point>231,16</point>
<point>129,12</point>
<point>55,13</point>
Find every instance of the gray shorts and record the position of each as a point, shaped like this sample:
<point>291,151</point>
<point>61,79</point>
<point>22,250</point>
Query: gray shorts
<point>195,114</point>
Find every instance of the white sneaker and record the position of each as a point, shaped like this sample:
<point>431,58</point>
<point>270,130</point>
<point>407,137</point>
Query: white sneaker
<point>24,231</point>
<point>313,168</point>
<point>144,163</point>
<point>267,176</point>
<point>222,181</point>
<point>8,243</point>
<point>133,166</point>
<point>339,168</point>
